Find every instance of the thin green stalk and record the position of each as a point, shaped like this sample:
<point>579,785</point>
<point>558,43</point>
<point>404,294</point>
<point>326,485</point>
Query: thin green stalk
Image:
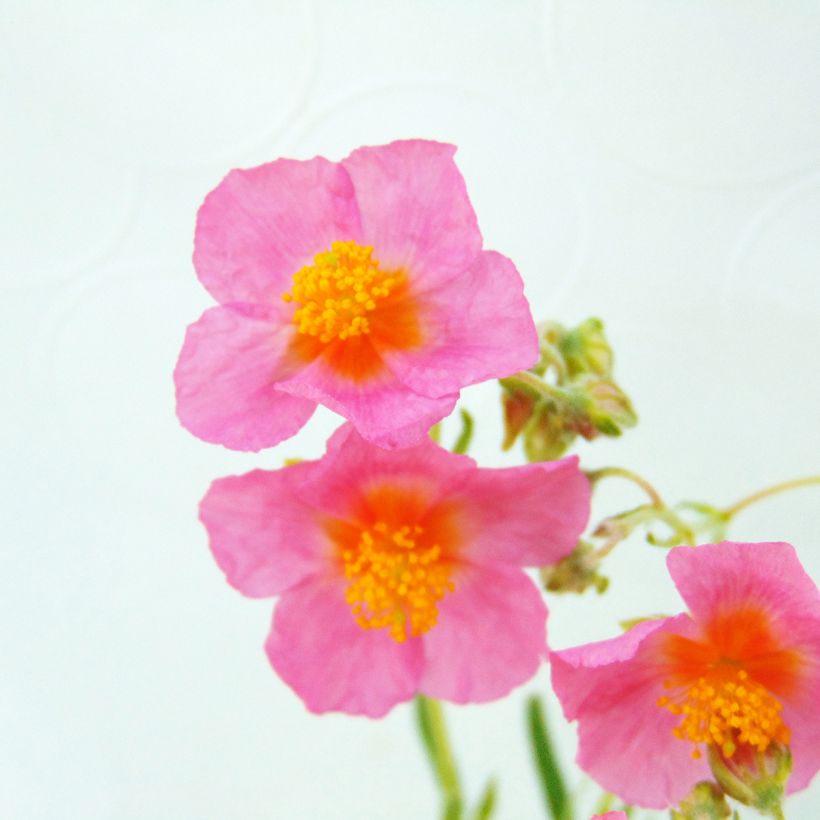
<point>622,472</point>
<point>530,384</point>
<point>433,732</point>
<point>732,511</point>
<point>656,510</point>
<point>552,782</point>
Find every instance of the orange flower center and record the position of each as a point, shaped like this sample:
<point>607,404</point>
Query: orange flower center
<point>346,303</point>
<point>725,709</point>
<point>396,580</point>
<point>726,686</point>
<point>338,291</point>
<point>398,558</point>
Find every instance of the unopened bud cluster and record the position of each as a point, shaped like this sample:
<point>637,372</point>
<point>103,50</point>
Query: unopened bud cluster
<point>575,573</point>
<point>752,777</point>
<point>570,392</point>
<point>706,801</point>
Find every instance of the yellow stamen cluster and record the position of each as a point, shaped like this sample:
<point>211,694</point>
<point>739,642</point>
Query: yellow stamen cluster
<point>396,581</point>
<point>337,292</point>
<point>727,709</point>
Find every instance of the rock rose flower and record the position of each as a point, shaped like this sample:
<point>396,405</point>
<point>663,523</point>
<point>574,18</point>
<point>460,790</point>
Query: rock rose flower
<point>737,677</point>
<point>399,571</point>
<point>360,285</point>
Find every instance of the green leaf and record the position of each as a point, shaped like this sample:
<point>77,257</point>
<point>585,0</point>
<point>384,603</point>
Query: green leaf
<point>433,731</point>
<point>466,436</point>
<point>552,781</point>
<point>485,808</point>
<point>452,809</point>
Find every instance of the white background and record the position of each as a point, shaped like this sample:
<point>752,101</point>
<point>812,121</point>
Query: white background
<point>651,162</point>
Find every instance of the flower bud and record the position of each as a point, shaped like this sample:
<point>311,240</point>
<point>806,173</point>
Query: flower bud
<point>705,802</point>
<point>518,408</point>
<point>752,777</point>
<point>540,415</point>
<point>569,392</point>
<point>584,348</point>
<point>548,435</point>
<point>607,409</point>
<point>576,572</point>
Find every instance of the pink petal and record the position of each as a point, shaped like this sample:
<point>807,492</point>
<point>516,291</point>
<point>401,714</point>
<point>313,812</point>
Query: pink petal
<point>225,378</point>
<point>264,538</point>
<point>531,515</point>
<point>414,208</point>
<point>800,712</point>
<point>625,739</point>
<point>490,636</point>
<point>611,815</point>
<point>333,664</point>
<point>801,715</point>
<point>261,225</point>
<point>477,326</point>
<point>352,465</point>
<point>717,577</point>
<point>382,409</point>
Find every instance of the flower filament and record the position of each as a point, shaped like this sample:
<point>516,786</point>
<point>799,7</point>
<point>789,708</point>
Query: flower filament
<point>396,580</point>
<point>337,292</point>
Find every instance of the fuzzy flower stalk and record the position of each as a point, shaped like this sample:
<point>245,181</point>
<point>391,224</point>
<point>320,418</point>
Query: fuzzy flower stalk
<point>728,690</point>
<point>400,572</point>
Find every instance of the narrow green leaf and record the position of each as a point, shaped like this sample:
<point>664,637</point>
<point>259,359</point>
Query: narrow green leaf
<point>466,436</point>
<point>452,809</point>
<point>605,804</point>
<point>484,810</point>
<point>425,730</point>
<point>433,731</point>
<point>552,781</point>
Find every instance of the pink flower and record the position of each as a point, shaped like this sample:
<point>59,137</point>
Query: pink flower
<point>611,815</point>
<point>740,674</point>
<point>361,285</point>
<point>400,572</point>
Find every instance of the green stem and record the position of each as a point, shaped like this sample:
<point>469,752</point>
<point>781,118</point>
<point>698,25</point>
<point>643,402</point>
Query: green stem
<point>433,731</point>
<point>524,381</point>
<point>679,528</point>
<point>655,510</point>
<point>532,385</point>
<point>553,356</point>
<point>552,781</point>
<point>730,512</point>
<point>622,472</point>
